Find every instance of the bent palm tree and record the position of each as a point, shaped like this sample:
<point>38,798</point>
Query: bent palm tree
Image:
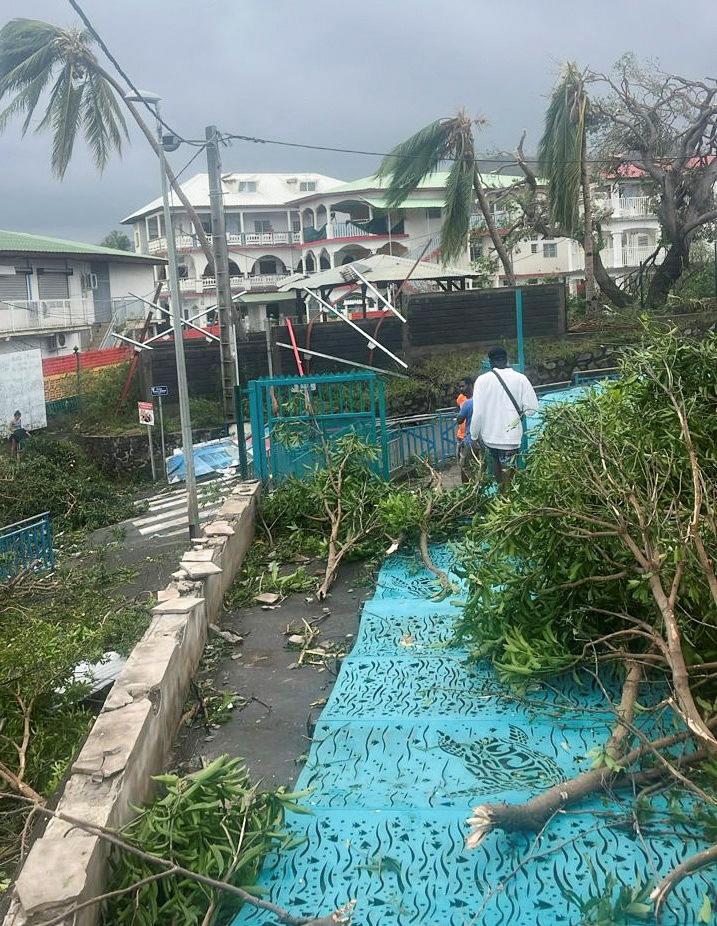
<point>562,157</point>
<point>413,160</point>
<point>36,57</point>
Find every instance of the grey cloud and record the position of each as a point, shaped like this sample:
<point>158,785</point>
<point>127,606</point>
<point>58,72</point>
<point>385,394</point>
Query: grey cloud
<point>329,72</point>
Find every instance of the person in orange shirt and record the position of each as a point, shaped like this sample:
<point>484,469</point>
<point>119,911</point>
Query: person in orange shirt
<point>465,388</point>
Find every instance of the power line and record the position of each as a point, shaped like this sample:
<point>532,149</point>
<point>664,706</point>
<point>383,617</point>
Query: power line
<point>389,154</point>
<point>85,19</point>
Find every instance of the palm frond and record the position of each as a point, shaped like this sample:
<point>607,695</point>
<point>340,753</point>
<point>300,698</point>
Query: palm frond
<point>65,112</point>
<point>33,54</point>
<point>102,122</point>
<point>560,150</point>
<point>459,205</point>
<point>413,160</point>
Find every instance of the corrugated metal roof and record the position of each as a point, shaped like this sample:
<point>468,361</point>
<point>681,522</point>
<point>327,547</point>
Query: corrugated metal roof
<point>24,243</point>
<point>266,297</point>
<point>379,268</point>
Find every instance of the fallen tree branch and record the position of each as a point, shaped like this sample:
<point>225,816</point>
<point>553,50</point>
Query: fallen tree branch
<point>679,872</point>
<point>110,836</point>
<point>531,815</point>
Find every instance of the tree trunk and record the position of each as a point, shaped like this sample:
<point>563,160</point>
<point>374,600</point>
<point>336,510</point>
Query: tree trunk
<point>608,286</point>
<point>666,275</point>
<point>592,305</point>
<point>173,182</point>
<point>500,248</point>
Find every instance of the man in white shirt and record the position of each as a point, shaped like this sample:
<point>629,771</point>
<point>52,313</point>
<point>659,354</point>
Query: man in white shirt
<point>501,400</point>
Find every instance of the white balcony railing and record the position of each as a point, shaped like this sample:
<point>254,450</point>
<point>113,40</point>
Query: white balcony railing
<point>635,205</point>
<point>209,284</point>
<point>44,315</point>
<point>633,255</point>
<point>246,239</point>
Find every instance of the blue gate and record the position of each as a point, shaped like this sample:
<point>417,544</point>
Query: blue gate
<point>293,417</point>
<point>25,545</point>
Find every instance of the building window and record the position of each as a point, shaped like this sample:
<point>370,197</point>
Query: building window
<point>247,186</point>
<point>267,266</point>
<point>433,212</point>
<point>307,186</point>
<point>154,228</point>
<point>550,249</point>
<point>643,241</point>
<point>476,250</point>
<point>533,247</point>
<point>262,227</point>
<point>137,239</point>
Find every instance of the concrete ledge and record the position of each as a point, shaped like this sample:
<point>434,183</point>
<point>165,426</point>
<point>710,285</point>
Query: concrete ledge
<point>131,738</point>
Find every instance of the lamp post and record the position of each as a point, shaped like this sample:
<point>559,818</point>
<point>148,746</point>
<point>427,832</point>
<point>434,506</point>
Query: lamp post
<point>175,301</point>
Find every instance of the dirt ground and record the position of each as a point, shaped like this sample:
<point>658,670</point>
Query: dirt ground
<point>276,703</point>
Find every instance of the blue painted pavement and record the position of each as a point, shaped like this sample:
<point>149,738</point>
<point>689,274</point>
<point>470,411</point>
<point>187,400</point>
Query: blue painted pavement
<point>412,737</point>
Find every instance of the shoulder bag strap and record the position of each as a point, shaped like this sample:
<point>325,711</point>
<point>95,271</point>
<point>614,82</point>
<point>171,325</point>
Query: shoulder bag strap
<point>521,413</point>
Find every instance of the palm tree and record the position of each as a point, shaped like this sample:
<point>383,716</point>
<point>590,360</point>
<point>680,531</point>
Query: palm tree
<point>562,158</point>
<point>413,160</point>
<point>83,98</point>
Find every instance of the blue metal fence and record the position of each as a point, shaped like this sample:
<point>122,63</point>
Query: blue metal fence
<point>26,545</point>
<point>431,437</point>
<point>292,417</point>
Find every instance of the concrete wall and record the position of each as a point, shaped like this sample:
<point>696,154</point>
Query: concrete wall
<point>132,736</point>
<point>131,278</point>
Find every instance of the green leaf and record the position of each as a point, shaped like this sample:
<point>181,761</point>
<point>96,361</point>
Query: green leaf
<point>705,912</point>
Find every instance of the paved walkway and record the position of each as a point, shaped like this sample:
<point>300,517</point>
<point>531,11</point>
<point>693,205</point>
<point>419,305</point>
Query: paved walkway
<point>412,737</point>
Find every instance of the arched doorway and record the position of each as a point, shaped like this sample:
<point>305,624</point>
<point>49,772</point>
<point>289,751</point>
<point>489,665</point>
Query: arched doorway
<point>310,262</point>
<point>268,265</point>
<point>350,253</point>
<point>324,260</point>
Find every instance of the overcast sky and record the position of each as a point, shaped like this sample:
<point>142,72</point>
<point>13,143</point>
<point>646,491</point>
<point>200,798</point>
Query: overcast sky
<point>353,74</point>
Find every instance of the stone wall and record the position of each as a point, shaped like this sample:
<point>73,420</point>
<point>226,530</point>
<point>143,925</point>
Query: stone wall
<point>128,454</point>
<point>132,736</point>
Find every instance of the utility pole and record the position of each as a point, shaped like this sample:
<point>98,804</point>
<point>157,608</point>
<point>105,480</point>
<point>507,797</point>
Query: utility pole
<point>176,307</point>
<point>182,389</point>
<point>221,270</point>
<point>230,361</point>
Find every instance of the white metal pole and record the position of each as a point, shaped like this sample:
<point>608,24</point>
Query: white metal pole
<point>182,389</point>
<point>151,453</point>
<point>378,295</point>
<point>161,434</point>
<point>371,341</point>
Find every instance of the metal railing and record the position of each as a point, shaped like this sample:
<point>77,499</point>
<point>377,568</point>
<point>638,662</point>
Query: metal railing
<point>635,205</point>
<point>237,239</point>
<point>431,437</point>
<point>633,255</point>
<point>26,545</point>
<point>44,314</point>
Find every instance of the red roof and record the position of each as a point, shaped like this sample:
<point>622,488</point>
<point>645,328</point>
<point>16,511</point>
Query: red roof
<point>632,171</point>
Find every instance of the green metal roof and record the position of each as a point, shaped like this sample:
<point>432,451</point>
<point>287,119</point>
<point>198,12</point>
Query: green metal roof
<point>432,182</point>
<point>23,243</point>
<point>267,297</point>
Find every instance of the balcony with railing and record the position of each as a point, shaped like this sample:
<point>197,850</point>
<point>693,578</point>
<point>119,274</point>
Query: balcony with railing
<point>200,285</point>
<point>44,315</point>
<point>375,228</point>
<point>245,239</point>
<point>633,255</point>
<point>634,206</point>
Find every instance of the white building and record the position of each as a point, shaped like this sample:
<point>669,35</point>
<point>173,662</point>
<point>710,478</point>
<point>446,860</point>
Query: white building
<point>56,295</point>
<point>279,224</point>
<point>630,229</point>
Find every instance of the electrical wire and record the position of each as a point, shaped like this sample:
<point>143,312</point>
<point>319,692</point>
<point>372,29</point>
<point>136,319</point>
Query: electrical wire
<point>227,137</point>
<point>103,45</point>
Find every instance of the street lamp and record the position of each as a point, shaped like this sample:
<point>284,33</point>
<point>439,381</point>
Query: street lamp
<point>175,299</point>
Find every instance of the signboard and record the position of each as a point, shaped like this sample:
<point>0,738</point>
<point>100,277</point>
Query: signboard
<point>159,390</point>
<point>22,389</point>
<point>146,413</point>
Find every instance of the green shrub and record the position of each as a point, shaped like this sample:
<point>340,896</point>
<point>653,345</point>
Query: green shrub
<point>57,476</point>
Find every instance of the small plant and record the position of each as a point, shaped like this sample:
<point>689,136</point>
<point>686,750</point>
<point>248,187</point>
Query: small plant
<point>213,822</point>
<point>615,904</point>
